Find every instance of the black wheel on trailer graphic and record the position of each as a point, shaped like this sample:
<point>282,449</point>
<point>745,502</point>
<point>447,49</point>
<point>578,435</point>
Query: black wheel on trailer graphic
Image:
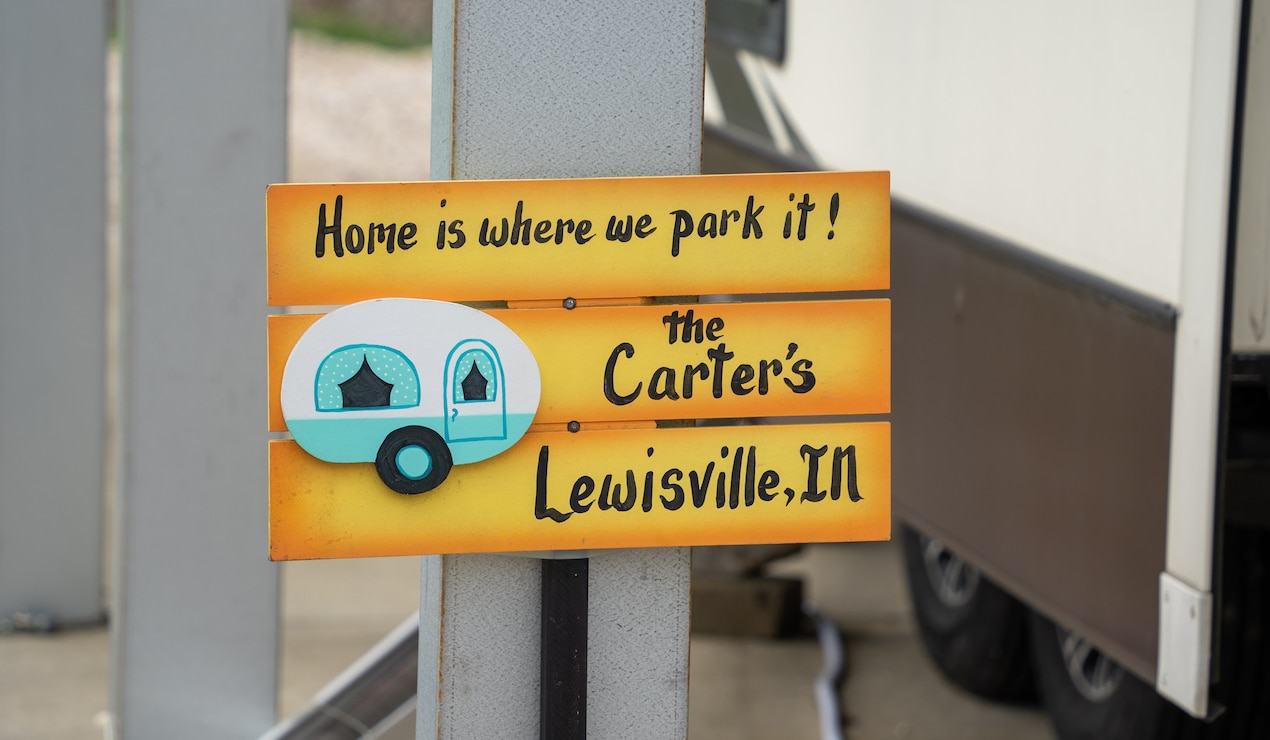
<point>413,459</point>
<point>974,632</point>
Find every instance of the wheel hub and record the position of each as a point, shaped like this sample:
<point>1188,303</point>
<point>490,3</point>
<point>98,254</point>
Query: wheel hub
<point>1093,674</point>
<point>414,462</point>
<point>953,579</point>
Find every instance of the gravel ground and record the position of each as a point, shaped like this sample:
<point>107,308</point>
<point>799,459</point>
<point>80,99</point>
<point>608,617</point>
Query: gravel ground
<point>357,113</point>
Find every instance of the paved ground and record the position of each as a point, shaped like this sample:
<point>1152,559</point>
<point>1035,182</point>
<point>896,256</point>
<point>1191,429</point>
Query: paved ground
<point>56,687</point>
<point>362,114</point>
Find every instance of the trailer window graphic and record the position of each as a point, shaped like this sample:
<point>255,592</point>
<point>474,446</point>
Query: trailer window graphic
<point>475,408</point>
<point>365,376</point>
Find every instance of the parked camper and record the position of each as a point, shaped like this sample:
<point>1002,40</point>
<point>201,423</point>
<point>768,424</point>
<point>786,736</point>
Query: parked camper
<point>413,386</point>
<point>1081,361</point>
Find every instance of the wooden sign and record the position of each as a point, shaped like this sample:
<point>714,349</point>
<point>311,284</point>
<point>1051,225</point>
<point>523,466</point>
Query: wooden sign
<point>536,427</point>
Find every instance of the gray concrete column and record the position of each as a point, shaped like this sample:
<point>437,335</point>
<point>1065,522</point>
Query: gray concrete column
<point>52,301</point>
<point>534,89</point>
<point>196,600</point>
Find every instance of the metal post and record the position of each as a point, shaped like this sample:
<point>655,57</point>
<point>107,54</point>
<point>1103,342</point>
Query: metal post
<point>196,601</point>
<point>528,89</point>
<point>562,687</point>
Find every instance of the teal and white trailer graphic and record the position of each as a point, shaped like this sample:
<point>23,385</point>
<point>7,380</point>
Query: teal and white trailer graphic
<point>413,386</point>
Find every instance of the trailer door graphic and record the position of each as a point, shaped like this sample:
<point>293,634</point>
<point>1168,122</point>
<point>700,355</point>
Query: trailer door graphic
<point>475,404</point>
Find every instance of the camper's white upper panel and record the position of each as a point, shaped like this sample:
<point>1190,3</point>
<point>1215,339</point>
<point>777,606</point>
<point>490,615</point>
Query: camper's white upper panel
<point>1059,126</point>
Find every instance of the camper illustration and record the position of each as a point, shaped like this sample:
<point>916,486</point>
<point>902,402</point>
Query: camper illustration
<point>413,386</point>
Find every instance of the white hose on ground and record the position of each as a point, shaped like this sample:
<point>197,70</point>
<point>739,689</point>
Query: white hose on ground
<point>827,681</point>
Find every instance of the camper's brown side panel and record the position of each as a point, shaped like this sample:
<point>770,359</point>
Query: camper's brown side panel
<point>1031,427</point>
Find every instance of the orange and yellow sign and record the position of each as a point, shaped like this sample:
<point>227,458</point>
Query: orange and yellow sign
<point>600,278</point>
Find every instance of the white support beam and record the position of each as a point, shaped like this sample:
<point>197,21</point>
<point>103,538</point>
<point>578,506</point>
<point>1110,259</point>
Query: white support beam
<point>556,88</point>
<point>52,301</point>
<point>1197,358</point>
<point>196,600</point>
<point>1197,378</point>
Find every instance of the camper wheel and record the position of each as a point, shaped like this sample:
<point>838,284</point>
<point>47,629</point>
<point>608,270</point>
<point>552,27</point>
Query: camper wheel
<point>413,459</point>
<point>974,631</point>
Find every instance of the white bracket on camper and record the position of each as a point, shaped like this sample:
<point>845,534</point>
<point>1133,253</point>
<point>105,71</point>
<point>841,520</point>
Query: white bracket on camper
<point>1186,616</point>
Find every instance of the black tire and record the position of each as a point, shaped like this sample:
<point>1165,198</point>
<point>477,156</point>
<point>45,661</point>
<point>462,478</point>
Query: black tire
<point>975,633</point>
<point>1090,697</point>
<point>1134,710</point>
<point>413,436</point>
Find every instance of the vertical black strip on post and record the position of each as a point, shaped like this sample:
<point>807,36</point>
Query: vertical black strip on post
<point>562,698</point>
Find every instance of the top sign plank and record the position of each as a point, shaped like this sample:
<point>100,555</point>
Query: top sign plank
<point>584,238</point>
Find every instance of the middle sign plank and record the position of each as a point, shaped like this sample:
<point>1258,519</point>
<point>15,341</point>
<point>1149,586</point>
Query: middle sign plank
<point>702,361</point>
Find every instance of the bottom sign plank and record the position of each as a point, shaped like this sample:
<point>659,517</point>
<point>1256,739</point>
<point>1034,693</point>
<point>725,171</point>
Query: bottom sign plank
<point>597,490</point>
